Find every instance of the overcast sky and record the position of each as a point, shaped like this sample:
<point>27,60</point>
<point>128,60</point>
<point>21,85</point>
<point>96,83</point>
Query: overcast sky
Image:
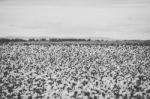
<point>122,19</point>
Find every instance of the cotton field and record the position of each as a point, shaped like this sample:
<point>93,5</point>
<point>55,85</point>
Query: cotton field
<point>74,71</point>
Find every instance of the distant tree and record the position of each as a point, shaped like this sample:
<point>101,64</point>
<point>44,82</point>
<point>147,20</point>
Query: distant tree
<point>31,39</point>
<point>89,39</point>
<point>37,40</point>
<point>98,40</point>
<point>52,39</point>
<point>6,40</point>
<point>17,40</point>
<point>43,39</point>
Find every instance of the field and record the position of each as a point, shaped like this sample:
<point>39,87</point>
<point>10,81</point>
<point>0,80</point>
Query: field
<point>74,71</point>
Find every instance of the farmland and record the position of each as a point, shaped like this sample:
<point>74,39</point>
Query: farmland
<point>74,71</point>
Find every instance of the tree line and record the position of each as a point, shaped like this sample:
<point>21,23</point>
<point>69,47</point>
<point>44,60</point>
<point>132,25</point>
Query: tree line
<point>2,40</point>
<point>7,40</point>
<point>114,42</point>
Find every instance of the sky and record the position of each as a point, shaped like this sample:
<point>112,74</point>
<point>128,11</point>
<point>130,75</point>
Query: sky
<point>115,19</point>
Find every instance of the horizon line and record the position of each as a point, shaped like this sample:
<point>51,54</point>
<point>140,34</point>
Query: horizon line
<point>66,37</point>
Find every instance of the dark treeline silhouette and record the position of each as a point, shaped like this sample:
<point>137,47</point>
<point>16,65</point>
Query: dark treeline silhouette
<point>33,39</point>
<point>86,41</point>
<point>58,39</point>
<point>6,40</point>
<point>66,39</point>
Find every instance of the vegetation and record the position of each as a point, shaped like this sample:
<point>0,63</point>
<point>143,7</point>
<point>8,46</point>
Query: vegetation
<point>78,41</point>
<point>74,71</point>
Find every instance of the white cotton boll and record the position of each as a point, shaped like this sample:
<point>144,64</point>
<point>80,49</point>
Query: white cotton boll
<point>101,97</point>
<point>85,97</point>
<point>138,94</point>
